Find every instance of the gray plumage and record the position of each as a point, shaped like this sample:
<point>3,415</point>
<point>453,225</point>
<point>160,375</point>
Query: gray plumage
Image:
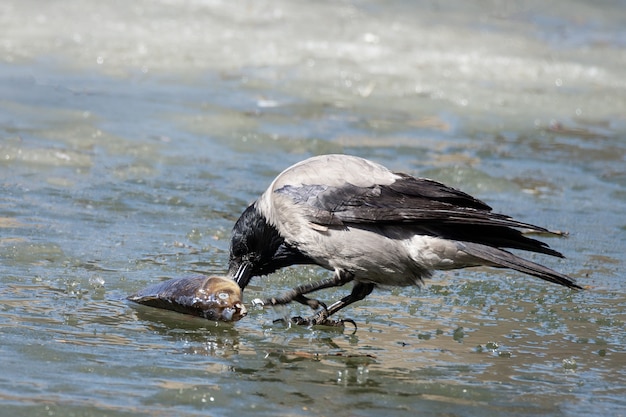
<point>377,227</point>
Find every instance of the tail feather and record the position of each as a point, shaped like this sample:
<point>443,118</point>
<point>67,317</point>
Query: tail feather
<point>505,259</point>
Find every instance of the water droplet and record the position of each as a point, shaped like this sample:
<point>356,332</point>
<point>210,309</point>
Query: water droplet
<point>492,346</point>
<point>570,363</point>
<point>96,281</point>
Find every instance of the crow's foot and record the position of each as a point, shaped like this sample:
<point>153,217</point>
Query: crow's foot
<point>321,320</point>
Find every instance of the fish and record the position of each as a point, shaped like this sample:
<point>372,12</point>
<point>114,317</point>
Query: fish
<point>211,297</point>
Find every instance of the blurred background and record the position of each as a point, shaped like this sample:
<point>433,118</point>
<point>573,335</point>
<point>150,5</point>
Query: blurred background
<point>133,134</point>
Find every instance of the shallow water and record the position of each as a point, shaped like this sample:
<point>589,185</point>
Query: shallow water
<point>133,134</point>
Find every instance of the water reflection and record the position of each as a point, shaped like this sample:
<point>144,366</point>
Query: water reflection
<point>197,336</point>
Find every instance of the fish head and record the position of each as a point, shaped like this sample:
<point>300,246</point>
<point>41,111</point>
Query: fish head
<point>220,299</point>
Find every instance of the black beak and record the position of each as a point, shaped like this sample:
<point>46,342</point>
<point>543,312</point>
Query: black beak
<point>243,275</point>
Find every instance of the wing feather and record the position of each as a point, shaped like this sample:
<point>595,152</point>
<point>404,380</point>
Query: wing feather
<point>425,206</point>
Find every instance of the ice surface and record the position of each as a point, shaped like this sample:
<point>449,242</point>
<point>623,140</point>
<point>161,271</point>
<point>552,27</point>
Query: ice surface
<point>535,60</point>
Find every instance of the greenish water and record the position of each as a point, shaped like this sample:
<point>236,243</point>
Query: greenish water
<point>132,135</point>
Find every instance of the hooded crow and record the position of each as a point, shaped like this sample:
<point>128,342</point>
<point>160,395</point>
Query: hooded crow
<point>374,227</point>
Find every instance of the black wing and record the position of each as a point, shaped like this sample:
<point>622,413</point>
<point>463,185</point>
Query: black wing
<point>428,206</point>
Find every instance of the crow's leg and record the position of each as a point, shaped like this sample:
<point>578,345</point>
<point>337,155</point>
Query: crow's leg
<point>359,292</point>
<point>297,294</point>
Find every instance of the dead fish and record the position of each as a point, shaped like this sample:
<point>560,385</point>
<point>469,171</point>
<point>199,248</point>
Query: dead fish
<point>214,298</point>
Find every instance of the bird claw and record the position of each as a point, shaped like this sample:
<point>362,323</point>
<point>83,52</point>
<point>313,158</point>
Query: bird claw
<point>318,319</point>
<point>321,320</point>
